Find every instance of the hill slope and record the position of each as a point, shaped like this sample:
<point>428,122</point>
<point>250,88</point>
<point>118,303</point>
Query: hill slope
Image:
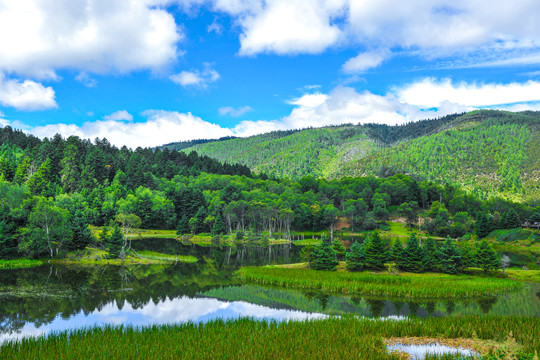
<point>488,152</point>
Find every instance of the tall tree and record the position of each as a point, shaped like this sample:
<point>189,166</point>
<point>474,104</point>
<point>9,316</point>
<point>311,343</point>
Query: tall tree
<point>431,255</point>
<point>375,252</point>
<point>323,257</point>
<point>413,256</point>
<point>70,173</point>
<point>483,225</point>
<point>450,257</point>
<point>486,258</point>
<point>356,258</point>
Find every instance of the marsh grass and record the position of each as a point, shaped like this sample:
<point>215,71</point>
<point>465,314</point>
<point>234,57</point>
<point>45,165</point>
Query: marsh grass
<point>428,285</point>
<point>20,263</point>
<point>333,338</point>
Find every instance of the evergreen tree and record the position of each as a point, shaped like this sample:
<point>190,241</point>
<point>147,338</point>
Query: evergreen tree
<point>485,257</point>
<point>356,258</point>
<point>183,226</point>
<point>510,220</point>
<point>114,242</point>
<point>467,256</point>
<point>39,182</point>
<point>340,250</point>
<point>323,257</point>
<point>21,174</point>
<point>431,258</point>
<point>483,225</point>
<point>81,234</point>
<point>450,257</point>
<point>70,173</point>
<point>396,254</point>
<point>413,257</point>
<point>219,226</point>
<point>375,252</point>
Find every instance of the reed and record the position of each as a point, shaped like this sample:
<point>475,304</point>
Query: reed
<point>429,285</point>
<point>333,338</point>
<point>20,263</point>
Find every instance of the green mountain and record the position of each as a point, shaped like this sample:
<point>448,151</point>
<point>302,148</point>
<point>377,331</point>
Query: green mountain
<point>488,152</point>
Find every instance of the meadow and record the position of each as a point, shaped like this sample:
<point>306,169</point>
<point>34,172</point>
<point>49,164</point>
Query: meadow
<point>427,285</point>
<point>331,338</point>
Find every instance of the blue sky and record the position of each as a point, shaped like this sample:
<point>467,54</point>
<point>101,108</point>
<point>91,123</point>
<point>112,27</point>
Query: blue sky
<point>148,72</point>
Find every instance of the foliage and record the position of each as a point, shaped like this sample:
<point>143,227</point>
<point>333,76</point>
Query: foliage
<point>374,252</point>
<point>356,258</point>
<point>485,257</point>
<point>450,257</point>
<point>323,257</point>
<point>413,259</point>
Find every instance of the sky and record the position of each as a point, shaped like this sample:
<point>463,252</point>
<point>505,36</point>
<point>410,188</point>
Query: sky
<point>150,72</point>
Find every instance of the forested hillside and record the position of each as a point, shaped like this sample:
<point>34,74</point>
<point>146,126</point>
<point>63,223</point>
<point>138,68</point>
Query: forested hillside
<point>488,152</point>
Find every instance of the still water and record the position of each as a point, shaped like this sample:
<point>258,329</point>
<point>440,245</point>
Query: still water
<point>54,298</point>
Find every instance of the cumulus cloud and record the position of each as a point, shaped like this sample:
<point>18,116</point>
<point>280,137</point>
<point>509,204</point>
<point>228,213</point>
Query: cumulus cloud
<point>119,116</point>
<point>197,78</point>
<point>432,93</point>
<point>365,61</point>
<point>89,35</point>
<point>234,112</point>
<point>427,98</point>
<point>161,127</point>
<point>26,95</point>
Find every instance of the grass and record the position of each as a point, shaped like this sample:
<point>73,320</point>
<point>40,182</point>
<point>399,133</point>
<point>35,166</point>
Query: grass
<point>524,275</point>
<point>332,338</point>
<point>20,263</point>
<point>428,285</point>
<point>140,233</point>
<point>93,256</point>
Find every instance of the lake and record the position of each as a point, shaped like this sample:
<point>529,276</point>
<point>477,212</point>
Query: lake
<point>54,298</point>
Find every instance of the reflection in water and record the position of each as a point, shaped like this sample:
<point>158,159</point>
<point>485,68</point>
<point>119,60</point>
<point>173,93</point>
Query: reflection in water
<point>49,298</point>
<point>421,351</point>
<point>168,311</point>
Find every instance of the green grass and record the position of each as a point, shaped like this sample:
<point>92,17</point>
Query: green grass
<point>140,233</point>
<point>524,275</point>
<point>20,263</point>
<point>93,256</point>
<point>152,255</point>
<point>333,338</point>
<point>429,285</point>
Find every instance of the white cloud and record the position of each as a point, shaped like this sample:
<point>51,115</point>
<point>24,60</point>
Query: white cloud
<point>196,78</point>
<point>234,112</point>
<point>289,27</point>
<point>427,98</point>
<point>27,95</point>
<point>86,80</point>
<point>89,35</point>
<point>365,61</point>
<point>160,128</point>
<point>119,116</point>
<point>215,27</point>
<point>430,93</point>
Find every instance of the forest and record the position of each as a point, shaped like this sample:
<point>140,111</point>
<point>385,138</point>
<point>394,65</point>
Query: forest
<point>489,153</point>
<point>51,190</point>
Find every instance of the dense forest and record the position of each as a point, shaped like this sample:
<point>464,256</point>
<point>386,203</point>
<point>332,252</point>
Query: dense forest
<point>52,189</point>
<point>489,153</point>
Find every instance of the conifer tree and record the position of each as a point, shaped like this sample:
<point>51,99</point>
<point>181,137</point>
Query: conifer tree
<point>81,233</point>
<point>431,256</point>
<point>483,226</point>
<point>323,257</point>
<point>413,257</point>
<point>340,250</point>
<point>467,257</point>
<point>450,257</point>
<point>510,220</point>
<point>375,252</point>
<point>396,253</point>
<point>486,258</point>
<point>356,258</point>
<point>114,243</point>
<point>183,226</point>
<point>219,226</point>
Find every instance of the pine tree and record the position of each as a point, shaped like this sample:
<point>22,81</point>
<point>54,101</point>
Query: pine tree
<point>114,243</point>
<point>431,257</point>
<point>467,257</point>
<point>183,226</point>
<point>323,257</point>
<point>375,252</point>
<point>219,226</point>
<point>510,220</point>
<point>486,258</point>
<point>356,258</point>
<point>21,174</point>
<point>483,226</point>
<point>340,250</point>
<point>413,257</point>
<point>81,233</point>
<point>396,254</point>
<point>450,257</point>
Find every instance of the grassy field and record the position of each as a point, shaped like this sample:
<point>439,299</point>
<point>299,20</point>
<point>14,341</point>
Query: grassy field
<point>332,338</point>
<point>20,263</point>
<point>140,233</point>
<point>428,285</point>
<point>93,256</point>
<point>524,275</point>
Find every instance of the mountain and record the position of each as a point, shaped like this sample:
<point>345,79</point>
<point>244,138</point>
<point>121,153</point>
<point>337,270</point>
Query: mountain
<point>488,152</point>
